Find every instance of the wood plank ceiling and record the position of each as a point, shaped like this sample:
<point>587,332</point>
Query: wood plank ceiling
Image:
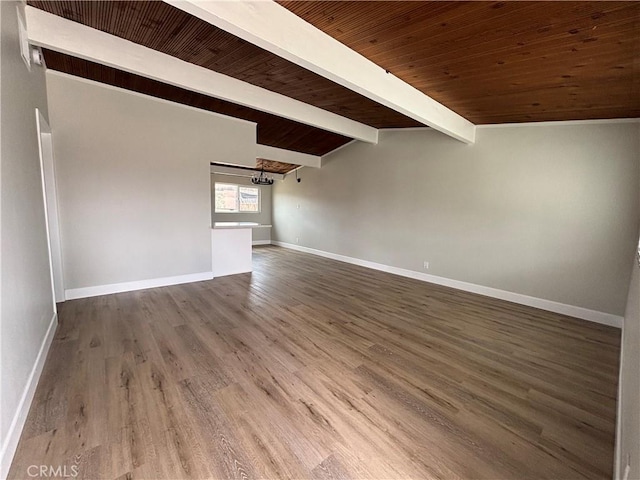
<point>275,167</point>
<point>498,62</point>
<point>269,166</point>
<point>169,30</point>
<point>492,62</point>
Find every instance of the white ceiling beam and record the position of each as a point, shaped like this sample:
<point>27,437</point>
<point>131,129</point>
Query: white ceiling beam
<point>277,30</point>
<point>56,33</point>
<point>288,156</point>
<point>240,172</point>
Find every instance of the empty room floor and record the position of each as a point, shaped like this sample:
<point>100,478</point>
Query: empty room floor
<point>312,368</point>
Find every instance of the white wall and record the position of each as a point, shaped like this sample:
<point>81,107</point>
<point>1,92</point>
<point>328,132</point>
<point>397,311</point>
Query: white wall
<point>628,438</point>
<point>133,181</point>
<point>25,291</point>
<point>629,407</point>
<point>264,217</point>
<point>545,211</point>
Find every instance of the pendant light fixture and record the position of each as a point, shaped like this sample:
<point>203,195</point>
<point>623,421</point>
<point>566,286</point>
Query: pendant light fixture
<point>261,178</point>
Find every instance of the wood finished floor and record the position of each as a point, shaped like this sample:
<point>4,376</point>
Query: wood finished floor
<point>311,368</point>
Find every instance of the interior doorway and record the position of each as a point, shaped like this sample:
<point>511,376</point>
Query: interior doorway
<point>49,193</point>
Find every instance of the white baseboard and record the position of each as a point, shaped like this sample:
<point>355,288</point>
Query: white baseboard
<point>261,242</point>
<point>10,443</point>
<point>617,467</point>
<point>549,305</point>
<point>85,292</point>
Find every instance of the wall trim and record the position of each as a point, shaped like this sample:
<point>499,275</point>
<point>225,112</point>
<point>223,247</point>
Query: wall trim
<point>261,242</point>
<point>549,305</point>
<point>10,443</point>
<point>97,290</point>
<point>559,123</point>
<point>617,468</point>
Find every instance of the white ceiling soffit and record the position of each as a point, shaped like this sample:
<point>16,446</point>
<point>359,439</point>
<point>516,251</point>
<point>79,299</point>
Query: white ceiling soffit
<point>288,156</point>
<point>240,172</point>
<point>56,33</point>
<point>277,30</point>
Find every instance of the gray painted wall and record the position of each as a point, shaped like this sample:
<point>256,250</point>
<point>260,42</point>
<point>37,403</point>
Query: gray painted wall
<point>545,211</point>
<point>264,217</point>
<point>25,290</point>
<point>133,181</point>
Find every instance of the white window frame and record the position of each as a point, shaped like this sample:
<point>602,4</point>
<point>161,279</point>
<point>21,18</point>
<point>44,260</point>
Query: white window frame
<point>239,186</point>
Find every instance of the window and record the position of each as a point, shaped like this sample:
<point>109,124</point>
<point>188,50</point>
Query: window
<point>232,198</point>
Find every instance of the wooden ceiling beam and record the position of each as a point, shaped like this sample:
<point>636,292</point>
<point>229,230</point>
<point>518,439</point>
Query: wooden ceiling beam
<point>71,38</point>
<point>277,30</point>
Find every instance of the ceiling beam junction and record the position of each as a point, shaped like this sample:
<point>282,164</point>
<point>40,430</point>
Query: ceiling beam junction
<point>272,27</point>
<point>72,38</point>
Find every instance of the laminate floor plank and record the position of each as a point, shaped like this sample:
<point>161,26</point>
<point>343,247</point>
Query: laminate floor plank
<point>312,368</point>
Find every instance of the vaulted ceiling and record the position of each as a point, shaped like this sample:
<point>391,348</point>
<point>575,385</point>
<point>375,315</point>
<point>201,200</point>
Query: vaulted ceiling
<point>491,62</point>
<point>499,62</point>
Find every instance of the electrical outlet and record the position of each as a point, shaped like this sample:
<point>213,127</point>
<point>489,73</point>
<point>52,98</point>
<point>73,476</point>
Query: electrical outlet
<point>426,265</point>
<point>297,240</point>
<point>298,206</point>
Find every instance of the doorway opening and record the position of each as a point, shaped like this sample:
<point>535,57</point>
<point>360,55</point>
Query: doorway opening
<point>49,194</point>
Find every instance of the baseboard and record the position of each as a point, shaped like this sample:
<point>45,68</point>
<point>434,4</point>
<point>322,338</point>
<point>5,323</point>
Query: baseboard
<point>10,443</point>
<point>618,472</point>
<point>261,242</point>
<point>549,305</point>
<point>85,292</point>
